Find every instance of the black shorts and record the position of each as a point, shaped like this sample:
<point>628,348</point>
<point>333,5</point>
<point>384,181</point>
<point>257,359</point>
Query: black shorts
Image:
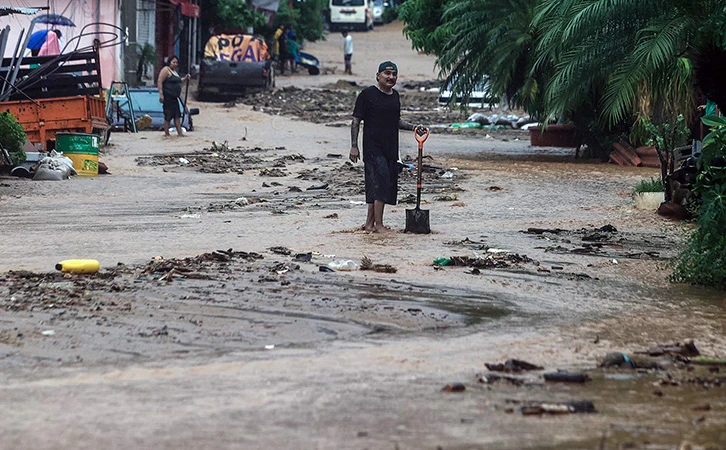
<point>381,179</point>
<point>171,108</point>
<point>348,57</point>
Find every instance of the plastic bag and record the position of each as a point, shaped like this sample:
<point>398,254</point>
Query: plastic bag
<point>478,117</point>
<point>54,167</point>
<point>345,265</point>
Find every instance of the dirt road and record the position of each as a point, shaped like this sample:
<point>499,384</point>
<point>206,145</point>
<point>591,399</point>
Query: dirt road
<point>212,326</point>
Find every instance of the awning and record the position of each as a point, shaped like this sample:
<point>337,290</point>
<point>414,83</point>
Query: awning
<point>187,8</point>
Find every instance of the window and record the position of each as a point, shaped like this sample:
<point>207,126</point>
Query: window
<point>348,2</point>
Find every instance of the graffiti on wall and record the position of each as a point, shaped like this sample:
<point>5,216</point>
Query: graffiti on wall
<point>238,47</point>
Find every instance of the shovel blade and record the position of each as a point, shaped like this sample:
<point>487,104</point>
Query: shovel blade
<point>417,221</point>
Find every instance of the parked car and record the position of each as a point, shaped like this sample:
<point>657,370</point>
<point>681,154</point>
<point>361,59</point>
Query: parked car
<point>480,97</point>
<point>234,63</point>
<point>378,7</point>
<point>145,101</point>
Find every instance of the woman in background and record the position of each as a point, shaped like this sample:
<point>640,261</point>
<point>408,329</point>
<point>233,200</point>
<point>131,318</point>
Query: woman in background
<point>170,85</point>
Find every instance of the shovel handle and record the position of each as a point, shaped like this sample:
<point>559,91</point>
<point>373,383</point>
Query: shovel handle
<point>421,138</point>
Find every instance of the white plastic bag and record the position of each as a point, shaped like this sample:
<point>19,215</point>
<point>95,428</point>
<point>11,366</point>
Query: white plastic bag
<point>345,265</point>
<point>54,167</point>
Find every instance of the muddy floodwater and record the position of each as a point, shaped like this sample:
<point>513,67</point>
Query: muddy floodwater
<point>220,317</point>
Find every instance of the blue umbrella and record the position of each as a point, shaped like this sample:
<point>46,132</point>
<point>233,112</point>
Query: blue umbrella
<point>37,39</point>
<point>54,19</point>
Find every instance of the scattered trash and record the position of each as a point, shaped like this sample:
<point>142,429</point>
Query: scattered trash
<point>183,161</point>
<point>190,216</point>
<point>544,230</point>
<point>367,264</point>
<point>275,172</point>
<point>304,257</point>
<point>566,377</point>
<point>466,125</point>
<point>78,266</point>
<point>325,269</point>
<point>492,260</point>
<point>496,250</point>
<point>447,174</point>
<point>331,216</point>
<point>280,250</point>
<point>705,360</point>
<point>617,359</point>
<point>687,348</point>
<point>242,201</point>
<point>454,387</point>
<point>343,265</point>
<point>48,333</point>
<point>269,347</point>
<point>356,202</point>
<point>512,365</point>
<point>494,377</point>
<point>538,408</point>
<point>54,167</point>
<point>223,147</point>
<point>317,187</point>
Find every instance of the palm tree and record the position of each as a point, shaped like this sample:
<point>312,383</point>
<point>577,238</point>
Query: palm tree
<point>634,55</point>
<point>493,39</point>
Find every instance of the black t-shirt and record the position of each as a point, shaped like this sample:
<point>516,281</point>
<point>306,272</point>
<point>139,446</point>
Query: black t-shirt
<point>380,114</point>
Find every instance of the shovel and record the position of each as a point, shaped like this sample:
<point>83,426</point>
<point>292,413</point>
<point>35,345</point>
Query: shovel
<point>417,220</point>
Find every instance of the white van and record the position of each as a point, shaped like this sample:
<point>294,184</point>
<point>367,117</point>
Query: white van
<point>351,15</point>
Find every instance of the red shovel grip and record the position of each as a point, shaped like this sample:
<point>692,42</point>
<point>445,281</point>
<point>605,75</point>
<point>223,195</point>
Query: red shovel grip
<point>421,138</point>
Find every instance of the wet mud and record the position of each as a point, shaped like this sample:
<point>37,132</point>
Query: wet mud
<point>256,347</point>
<point>216,302</point>
<point>294,182</point>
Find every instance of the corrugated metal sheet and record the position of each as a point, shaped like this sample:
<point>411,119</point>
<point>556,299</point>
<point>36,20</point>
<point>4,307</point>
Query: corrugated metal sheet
<point>7,10</point>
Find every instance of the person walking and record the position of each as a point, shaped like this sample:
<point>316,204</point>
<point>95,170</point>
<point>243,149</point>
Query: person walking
<point>347,52</point>
<point>379,107</point>
<point>169,84</point>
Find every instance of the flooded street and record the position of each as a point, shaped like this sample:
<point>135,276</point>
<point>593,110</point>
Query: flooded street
<point>212,325</point>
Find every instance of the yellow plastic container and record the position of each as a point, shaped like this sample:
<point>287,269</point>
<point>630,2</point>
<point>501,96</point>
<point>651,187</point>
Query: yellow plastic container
<point>82,149</point>
<point>78,266</point>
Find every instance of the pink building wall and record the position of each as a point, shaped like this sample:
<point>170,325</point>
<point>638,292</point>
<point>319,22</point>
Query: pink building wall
<point>82,13</point>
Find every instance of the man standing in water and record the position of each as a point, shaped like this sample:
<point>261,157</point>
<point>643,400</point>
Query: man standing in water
<point>379,107</point>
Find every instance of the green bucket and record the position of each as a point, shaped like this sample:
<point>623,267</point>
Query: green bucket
<point>82,149</point>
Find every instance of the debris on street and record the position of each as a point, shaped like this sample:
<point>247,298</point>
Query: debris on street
<point>512,366</point>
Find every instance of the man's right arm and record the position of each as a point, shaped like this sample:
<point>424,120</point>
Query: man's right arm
<point>354,131</point>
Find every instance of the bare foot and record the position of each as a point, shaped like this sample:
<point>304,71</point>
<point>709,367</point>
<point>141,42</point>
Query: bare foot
<point>182,135</point>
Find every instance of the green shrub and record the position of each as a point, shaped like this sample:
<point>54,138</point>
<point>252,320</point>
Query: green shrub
<point>390,14</point>
<point>652,185</point>
<point>703,262</point>
<point>12,137</point>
